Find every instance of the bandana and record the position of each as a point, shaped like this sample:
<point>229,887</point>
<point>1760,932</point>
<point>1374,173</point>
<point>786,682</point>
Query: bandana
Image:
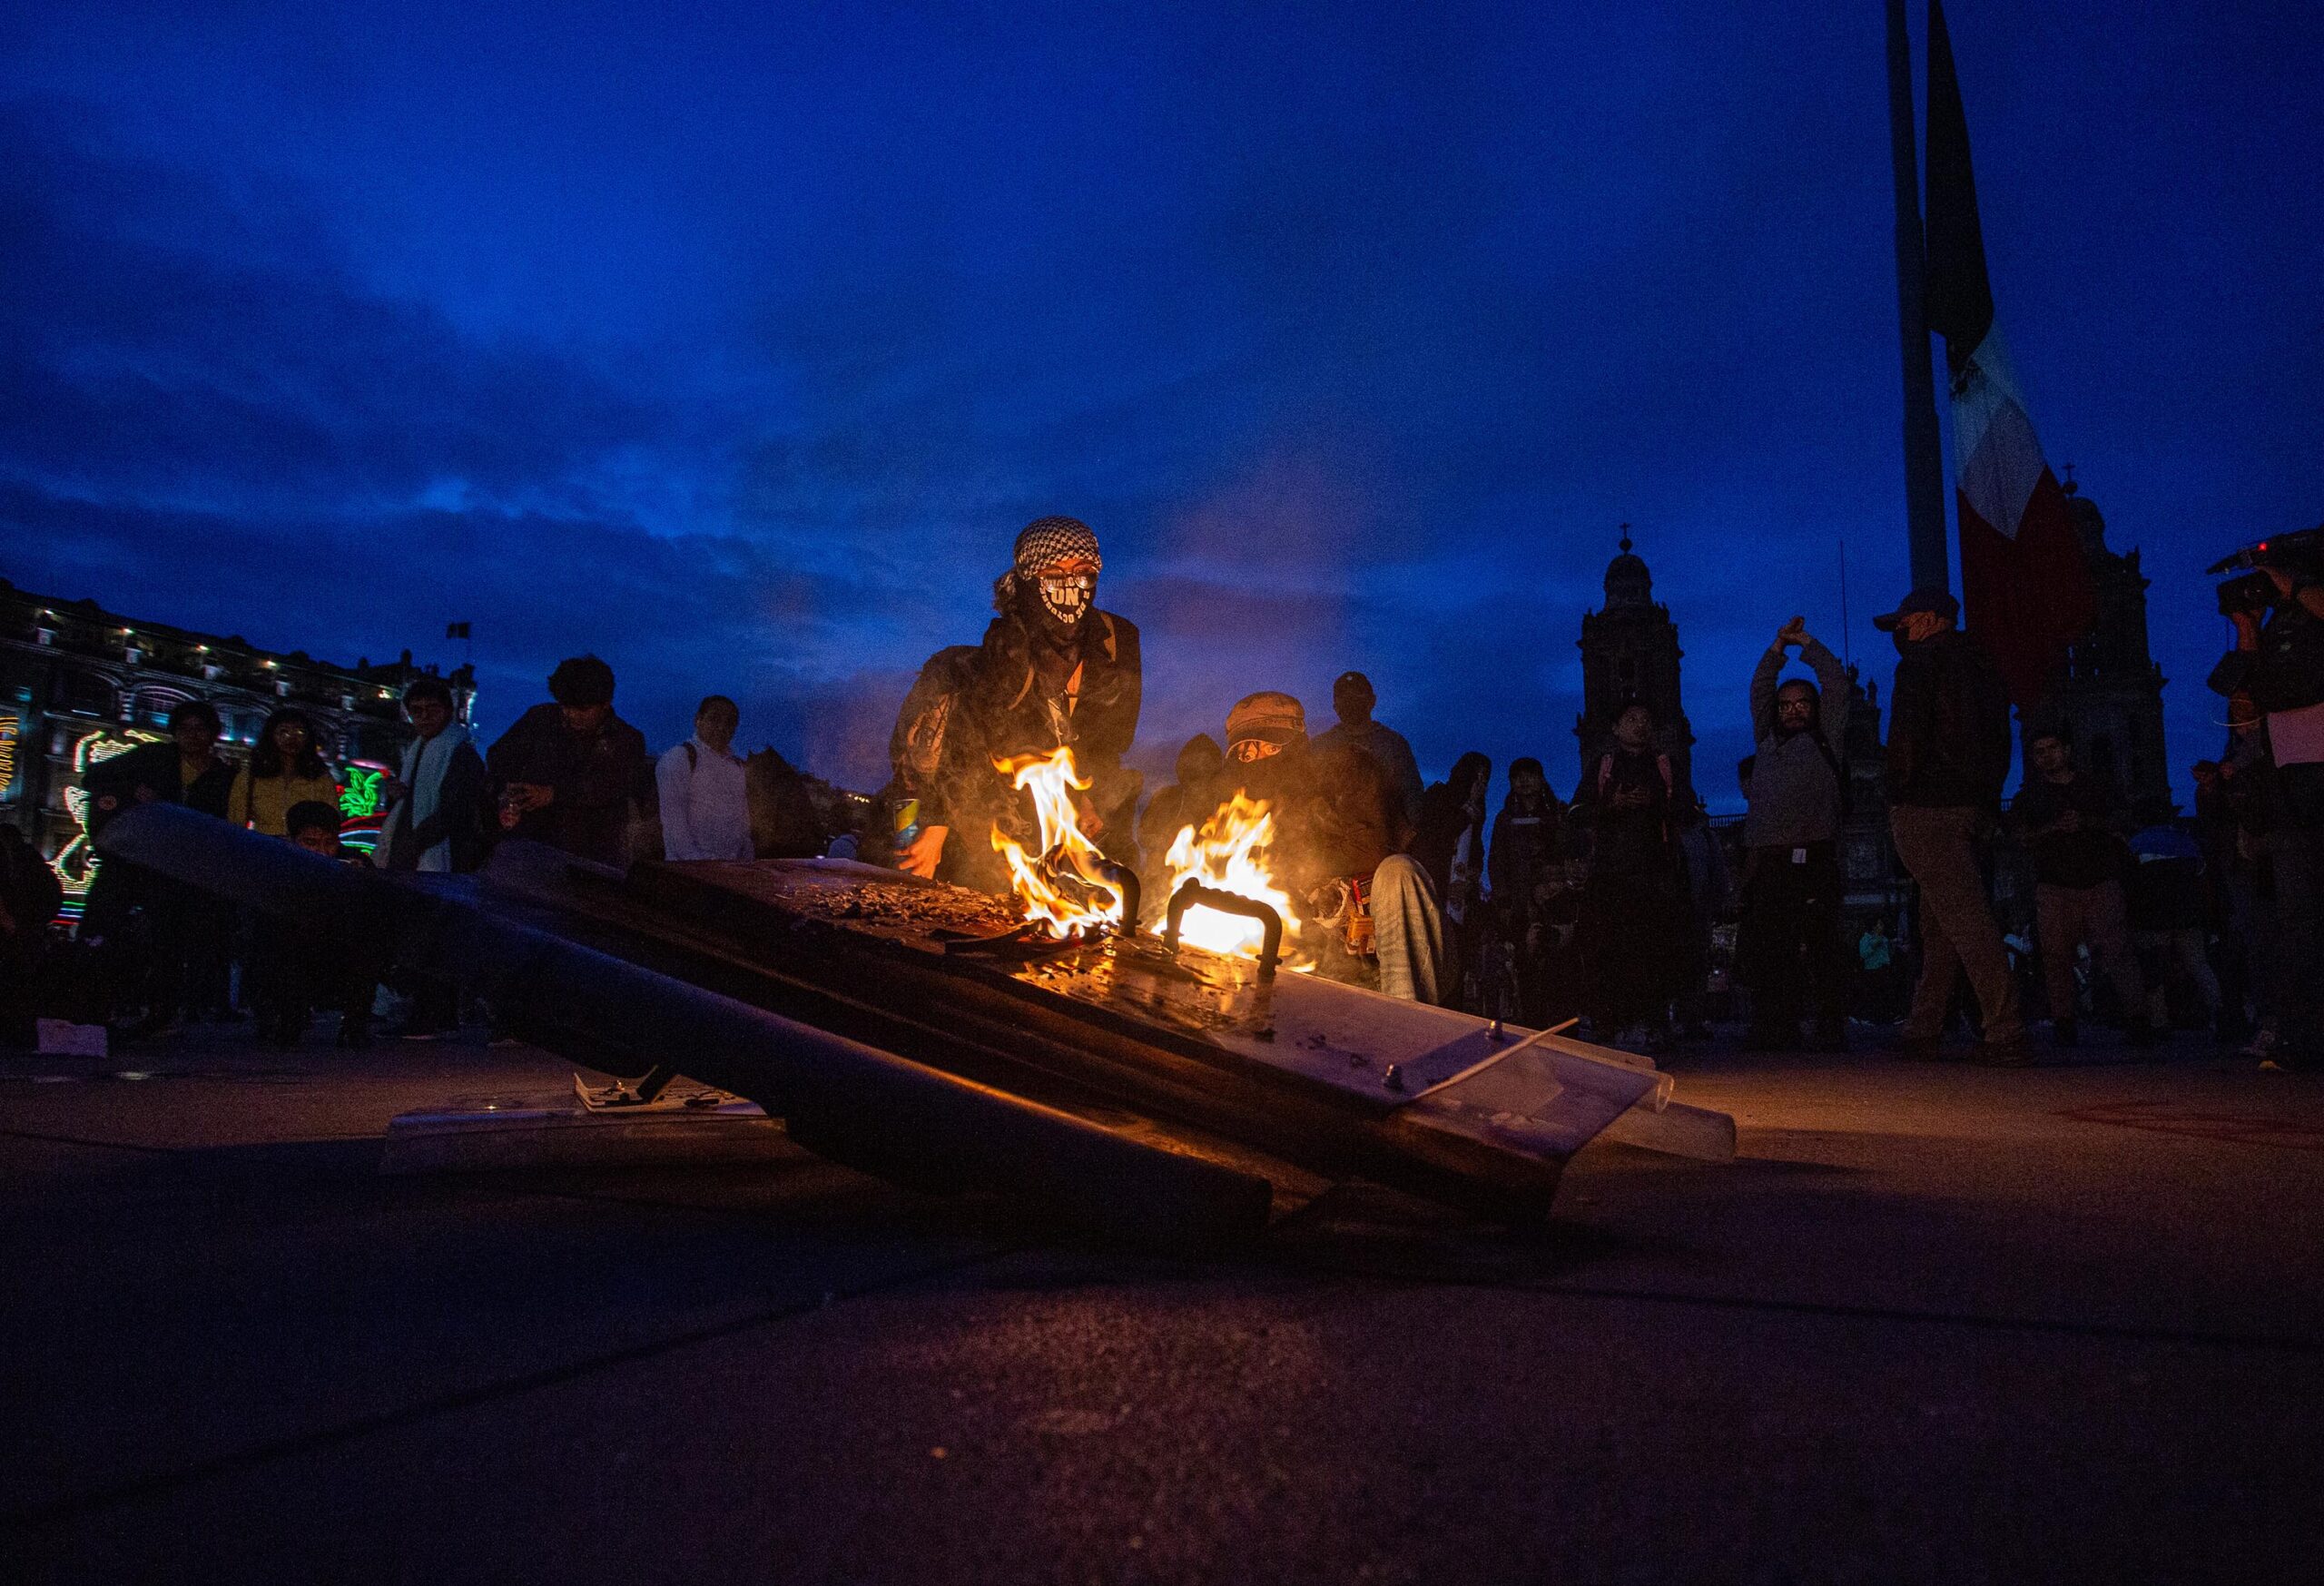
<point>1046,548</point>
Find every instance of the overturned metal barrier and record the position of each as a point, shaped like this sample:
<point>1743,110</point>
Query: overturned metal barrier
<point>853,1103</point>
<point>907,1027</point>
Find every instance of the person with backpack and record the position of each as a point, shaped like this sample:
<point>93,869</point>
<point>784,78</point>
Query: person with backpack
<point>704,796</point>
<point>1791,954</point>
<point>1948,756</point>
<point>1633,903</point>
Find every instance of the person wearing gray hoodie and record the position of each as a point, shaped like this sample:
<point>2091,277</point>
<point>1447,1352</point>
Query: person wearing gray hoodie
<point>1791,955</point>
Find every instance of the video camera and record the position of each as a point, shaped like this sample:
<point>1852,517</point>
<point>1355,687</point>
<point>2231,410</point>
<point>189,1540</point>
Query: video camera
<point>2300,552</point>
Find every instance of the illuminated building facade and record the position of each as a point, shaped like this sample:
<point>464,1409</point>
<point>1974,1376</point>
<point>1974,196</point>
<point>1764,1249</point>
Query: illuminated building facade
<point>79,684</point>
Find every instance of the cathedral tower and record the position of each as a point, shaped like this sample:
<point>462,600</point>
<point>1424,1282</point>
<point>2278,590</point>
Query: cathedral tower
<point>2108,694</point>
<point>1629,654</point>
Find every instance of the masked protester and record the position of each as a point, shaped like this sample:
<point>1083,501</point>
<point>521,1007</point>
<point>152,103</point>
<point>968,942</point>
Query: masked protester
<point>1372,916</point>
<point>1053,672</point>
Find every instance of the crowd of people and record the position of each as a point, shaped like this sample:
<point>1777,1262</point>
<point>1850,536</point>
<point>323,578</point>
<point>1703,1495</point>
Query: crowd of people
<point>152,953</point>
<point>1601,908</point>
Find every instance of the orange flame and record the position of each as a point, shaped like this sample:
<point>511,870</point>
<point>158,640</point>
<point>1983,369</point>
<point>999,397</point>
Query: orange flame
<point>1228,853</point>
<point>1061,885</point>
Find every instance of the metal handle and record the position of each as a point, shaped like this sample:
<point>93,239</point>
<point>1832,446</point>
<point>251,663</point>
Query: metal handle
<point>1194,894</point>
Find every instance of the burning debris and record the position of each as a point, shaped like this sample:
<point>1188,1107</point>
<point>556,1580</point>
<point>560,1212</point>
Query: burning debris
<point>1229,854</point>
<point>1069,886</point>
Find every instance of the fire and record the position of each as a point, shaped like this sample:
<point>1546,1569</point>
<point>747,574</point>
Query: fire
<point>1227,852</point>
<point>1064,885</point>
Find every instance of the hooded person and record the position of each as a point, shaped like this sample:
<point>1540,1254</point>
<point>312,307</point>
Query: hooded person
<point>1187,802</point>
<point>1371,910</point>
<point>1053,672</point>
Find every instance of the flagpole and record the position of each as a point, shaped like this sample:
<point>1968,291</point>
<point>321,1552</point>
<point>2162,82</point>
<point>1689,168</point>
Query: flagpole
<point>1923,463</point>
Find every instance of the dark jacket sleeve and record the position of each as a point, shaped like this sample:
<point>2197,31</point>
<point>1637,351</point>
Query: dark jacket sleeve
<point>1112,726</point>
<point>459,812</point>
<point>512,756</point>
<point>1911,701</point>
<point>112,784</point>
<point>611,778</point>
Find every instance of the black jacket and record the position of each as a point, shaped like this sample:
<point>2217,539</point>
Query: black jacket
<point>113,786</point>
<point>595,778</point>
<point>1015,693</point>
<point>1948,726</point>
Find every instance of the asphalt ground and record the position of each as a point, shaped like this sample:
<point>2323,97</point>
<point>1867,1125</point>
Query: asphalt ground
<point>1937,1324</point>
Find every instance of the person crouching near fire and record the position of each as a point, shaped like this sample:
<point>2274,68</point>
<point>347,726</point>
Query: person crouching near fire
<point>1053,672</point>
<point>1372,912</point>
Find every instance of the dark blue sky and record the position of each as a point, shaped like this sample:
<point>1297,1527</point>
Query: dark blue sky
<point>735,342</point>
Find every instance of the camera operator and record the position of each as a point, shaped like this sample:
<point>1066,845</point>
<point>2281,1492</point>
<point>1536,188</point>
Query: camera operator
<point>2278,663</point>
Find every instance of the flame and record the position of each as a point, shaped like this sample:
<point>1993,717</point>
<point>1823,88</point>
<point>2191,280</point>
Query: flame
<point>1063,885</point>
<point>1227,853</point>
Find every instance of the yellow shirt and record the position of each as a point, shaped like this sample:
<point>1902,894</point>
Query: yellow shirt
<point>264,803</point>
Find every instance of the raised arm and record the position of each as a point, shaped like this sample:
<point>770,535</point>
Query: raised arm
<point>1763,693</point>
<point>1834,692</point>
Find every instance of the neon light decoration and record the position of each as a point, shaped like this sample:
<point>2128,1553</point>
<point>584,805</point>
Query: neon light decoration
<point>76,862</point>
<point>360,796</point>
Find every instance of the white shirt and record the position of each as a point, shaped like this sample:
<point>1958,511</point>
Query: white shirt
<point>705,806</point>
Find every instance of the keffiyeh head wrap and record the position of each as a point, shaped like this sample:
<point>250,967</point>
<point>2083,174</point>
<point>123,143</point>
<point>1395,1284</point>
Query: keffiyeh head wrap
<point>1047,543</point>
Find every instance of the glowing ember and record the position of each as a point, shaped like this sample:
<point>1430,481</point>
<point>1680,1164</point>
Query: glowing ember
<point>1229,853</point>
<point>1064,885</point>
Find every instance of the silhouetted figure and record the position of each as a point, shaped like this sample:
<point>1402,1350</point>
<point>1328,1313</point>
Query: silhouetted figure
<point>2074,826</point>
<point>1632,906</point>
<point>30,896</point>
<point>1948,756</point>
<point>168,945</point>
<point>1353,700</point>
<point>567,773</point>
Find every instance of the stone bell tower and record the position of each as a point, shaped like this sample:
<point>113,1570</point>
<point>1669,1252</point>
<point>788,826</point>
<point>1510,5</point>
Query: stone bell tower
<point>1629,655</point>
<point>2108,692</point>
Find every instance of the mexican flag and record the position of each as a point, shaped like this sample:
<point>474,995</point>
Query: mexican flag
<point>2024,584</point>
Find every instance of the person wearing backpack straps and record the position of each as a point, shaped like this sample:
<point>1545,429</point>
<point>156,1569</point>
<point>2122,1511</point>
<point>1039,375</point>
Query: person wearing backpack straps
<point>705,800</point>
<point>1791,954</point>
